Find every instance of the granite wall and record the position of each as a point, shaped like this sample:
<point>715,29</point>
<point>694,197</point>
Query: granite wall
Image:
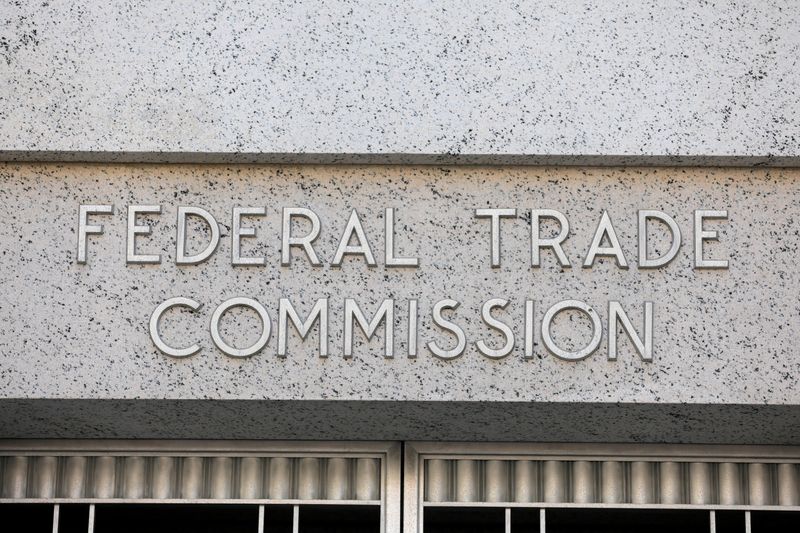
<point>657,82</point>
<point>75,335</point>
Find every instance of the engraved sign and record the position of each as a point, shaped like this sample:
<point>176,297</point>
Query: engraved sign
<point>400,283</point>
<point>354,243</point>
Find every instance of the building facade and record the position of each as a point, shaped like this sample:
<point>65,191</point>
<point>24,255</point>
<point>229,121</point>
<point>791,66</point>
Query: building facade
<point>337,266</point>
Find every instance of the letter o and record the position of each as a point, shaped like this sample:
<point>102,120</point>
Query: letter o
<point>155,335</point>
<point>597,329</point>
<point>266,327</point>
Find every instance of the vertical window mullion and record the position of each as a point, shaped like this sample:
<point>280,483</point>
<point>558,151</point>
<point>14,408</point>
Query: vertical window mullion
<point>90,528</point>
<point>56,512</point>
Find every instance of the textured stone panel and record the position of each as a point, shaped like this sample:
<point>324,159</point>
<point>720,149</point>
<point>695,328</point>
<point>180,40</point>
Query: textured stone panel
<point>553,82</point>
<point>79,331</point>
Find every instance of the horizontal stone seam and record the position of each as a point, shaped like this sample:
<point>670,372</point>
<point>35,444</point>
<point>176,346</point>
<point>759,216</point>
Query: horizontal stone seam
<point>387,158</point>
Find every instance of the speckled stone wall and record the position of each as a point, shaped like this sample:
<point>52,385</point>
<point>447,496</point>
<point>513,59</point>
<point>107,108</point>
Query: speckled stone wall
<point>78,332</point>
<point>665,81</point>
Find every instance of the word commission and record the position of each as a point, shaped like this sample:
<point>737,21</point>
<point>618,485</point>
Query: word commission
<point>355,243</point>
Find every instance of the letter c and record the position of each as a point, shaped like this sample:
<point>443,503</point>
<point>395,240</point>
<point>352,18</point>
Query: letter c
<point>155,335</point>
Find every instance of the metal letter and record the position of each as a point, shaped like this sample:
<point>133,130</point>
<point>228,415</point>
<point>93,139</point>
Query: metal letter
<point>701,235</point>
<point>616,314</point>
<point>597,330</point>
<point>391,260</point>
<point>155,334</point>
<point>537,243</point>
<point>615,250</point>
<point>353,313</point>
<point>495,215</point>
<point>266,327</point>
<point>413,323</point>
<point>287,241</point>
<point>85,229</point>
<point>644,262</point>
<point>181,257</point>
<point>239,232</point>
<point>529,329</point>
<point>492,322</point>
<point>134,230</point>
<point>445,324</point>
<point>362,248</point>
<point>318,312</point>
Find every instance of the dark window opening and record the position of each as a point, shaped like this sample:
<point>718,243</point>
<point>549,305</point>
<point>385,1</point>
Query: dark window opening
<point>730,521</point>
<point>72,518</point>
<point>627,521</point>
<point>26,517</point>
<point>763,521</point>
<point>168,518</point>
<point>464,520</point>
<point>339,519</point>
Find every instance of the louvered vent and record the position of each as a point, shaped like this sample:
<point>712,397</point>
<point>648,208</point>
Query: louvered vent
<point>612,482</point>
<point>109,477</point>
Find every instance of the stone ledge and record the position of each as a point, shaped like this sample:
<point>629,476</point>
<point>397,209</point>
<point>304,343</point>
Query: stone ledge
<point>391,420</point>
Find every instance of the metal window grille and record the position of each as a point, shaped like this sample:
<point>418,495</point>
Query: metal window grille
<point>265,477</point>
<point>338,486</point>
<point>620,480</point>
